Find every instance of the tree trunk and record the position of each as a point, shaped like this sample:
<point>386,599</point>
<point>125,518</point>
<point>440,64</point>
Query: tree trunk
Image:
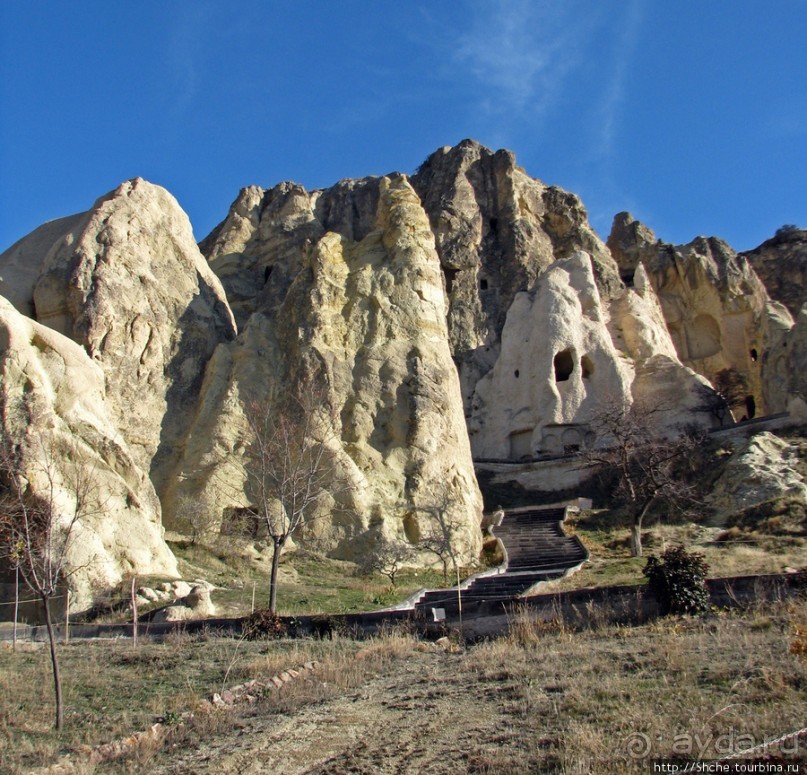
<point>636,528</point>
<point>134,610</point>
<point>277,548</point>
<point>57,681</point>
<point>636,539</point>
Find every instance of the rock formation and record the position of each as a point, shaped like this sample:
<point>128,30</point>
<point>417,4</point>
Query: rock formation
<point>197,604</point>
<point>497,230</point>
<point>760,469</point>
<point>566,355</point>
<point>468,306</point>
<point>362,318</point>
<point>781,264</point>
<point>715,307</point>
<point>53,406</point>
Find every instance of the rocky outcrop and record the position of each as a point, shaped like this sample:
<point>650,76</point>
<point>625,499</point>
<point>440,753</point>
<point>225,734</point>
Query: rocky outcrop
<point>467,298</point>
<point>127,282</point>
<point>557,364</point>
<point>21,264</point>
<point>53,406</point>
<point>762,468</point>
<point>566,356</point>
<point>781,264</point>
<point>497,230</point>
<point>362,320</point>
<point>197,604</point>
<point>785,367</point>
<point>715,307</point>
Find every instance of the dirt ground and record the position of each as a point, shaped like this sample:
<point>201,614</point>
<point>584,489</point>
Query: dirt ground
<point>423,718</point>
<point>534,701</point>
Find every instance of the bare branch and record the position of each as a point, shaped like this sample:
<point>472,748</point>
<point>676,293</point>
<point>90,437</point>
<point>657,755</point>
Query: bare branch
<point>645,466</point>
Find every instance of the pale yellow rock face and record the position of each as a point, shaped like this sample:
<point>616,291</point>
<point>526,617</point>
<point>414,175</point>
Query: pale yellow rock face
<point>21,264</point>
<point>760,469</point>
<point>129,284</point>
<point>557,365</point>
<point>366,319</point>
<point>566,356</point>
<point>659,380</point>
<point>715,307</point>
<point>497,230</point>
<point>53,398</point>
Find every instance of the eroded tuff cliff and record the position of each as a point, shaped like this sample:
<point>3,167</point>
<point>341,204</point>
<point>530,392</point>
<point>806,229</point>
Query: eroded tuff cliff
<point>127,282</point>
<point>465,307</point>
<point>497,230</point>
<point>781,263</point>
<point>715,307</point>
<point>359,315</point>
<point>54,411</point>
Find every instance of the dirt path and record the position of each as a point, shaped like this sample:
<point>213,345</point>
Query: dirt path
<point>432,714</point>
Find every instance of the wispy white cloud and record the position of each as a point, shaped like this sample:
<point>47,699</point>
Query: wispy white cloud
<point>192,22</point>
<point>614,94</point>
<point>522,52</point>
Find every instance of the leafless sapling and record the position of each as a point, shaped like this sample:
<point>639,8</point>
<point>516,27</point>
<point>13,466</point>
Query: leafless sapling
<point>45,492</point>
<point>644,464</point>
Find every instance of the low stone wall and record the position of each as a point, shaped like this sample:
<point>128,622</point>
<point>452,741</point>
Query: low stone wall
<point>557,474</point>
<point>629,604</point>
<point>579,607</point>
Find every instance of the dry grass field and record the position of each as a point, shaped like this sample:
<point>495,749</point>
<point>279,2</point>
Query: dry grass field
<point>540,699</point>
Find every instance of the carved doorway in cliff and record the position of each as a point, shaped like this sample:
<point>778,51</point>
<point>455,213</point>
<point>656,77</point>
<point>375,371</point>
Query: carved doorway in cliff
<point>521,445</point>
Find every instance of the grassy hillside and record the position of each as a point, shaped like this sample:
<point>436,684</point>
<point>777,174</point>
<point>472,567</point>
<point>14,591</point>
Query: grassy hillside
<point>541,699</point>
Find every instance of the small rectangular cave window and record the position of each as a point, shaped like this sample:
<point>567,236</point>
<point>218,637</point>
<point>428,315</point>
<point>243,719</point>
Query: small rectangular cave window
<point>449,275</point>
<point>564,365</point>
<point>587,365</point>
<point>483,284</point>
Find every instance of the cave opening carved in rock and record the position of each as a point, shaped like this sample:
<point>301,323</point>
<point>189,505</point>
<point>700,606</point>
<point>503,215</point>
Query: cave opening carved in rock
<point>521,444</point>
<point>564,365</point>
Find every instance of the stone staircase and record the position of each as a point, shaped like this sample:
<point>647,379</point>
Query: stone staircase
<point>536,550</point>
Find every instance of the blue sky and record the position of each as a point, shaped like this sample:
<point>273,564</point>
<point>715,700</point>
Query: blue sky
<point>693,116</point>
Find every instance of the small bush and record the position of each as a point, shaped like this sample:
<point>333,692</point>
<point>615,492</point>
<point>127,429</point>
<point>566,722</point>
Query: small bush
<point>324,626</point>
<point>786,230</point>
<point>678,581</point>
<point>799,644</point>
<point>491,555</point>
<point>262,624</point>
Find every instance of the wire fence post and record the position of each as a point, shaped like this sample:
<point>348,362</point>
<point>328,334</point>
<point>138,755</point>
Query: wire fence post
<point>67,616</point>
<point>16,607</point>
<point>253,598</point>
<point>134,610</point>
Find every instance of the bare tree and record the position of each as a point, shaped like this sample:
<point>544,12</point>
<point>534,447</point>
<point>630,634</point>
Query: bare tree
<point>197,519</point>
<point>729,390</point>
<point>439,536</point>
<point>646,466</point>
<point>386,557</point>
<point>37,523</point>
<point>440,533</point>
<point>290,469</point>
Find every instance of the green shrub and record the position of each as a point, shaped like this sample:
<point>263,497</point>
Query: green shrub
<point>678,581</point>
